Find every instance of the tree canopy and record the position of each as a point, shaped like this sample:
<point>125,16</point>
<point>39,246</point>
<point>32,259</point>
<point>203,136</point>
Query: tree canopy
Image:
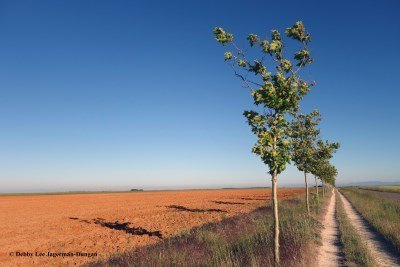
<point>276,92</point>
<point>304,133</point>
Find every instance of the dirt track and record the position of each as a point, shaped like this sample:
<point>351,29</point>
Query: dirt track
<point>110,223</point>
<point>329,253</point>
<point>378,248</point>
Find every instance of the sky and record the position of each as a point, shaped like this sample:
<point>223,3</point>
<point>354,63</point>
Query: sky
<point>100,95</point>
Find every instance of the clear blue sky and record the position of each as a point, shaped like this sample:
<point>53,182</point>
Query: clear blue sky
<point>124,94</point>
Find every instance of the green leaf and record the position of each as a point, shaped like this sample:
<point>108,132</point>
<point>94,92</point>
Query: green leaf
<point>221,36</point>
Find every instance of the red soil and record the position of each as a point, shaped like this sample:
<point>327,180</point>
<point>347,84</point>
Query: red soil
<point>107,224</point>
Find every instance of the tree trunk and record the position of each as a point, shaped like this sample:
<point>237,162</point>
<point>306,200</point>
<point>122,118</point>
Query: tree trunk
<point>276,218</point>
<point>316,191</point>
<point>323,188</point>
<point>307,195</point>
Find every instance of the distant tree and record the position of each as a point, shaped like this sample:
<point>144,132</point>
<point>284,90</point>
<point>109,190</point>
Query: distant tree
<point>275,94</point>
<point>330,178</point>
<point>135,190</point>
<point>327,173</point>
<point>320,168</point>
<point>304,134</point>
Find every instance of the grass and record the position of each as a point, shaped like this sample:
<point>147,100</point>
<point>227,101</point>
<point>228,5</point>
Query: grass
<point>243,240</point>
<point>355,252</point>
<point>316,203</point>
<point>382,214</point>
<point>391,189</point>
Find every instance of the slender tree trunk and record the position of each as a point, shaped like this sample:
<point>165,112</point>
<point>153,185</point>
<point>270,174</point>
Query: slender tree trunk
<point>276,218</point>
<point>322,188</point>
<point>316,191</point>
<point>307,194</point>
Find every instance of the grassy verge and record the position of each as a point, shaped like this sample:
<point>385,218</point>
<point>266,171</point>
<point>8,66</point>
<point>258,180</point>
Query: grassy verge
<point>390,189</point>
<point>382,214</point>
<point>243,240</point>
<point>355,252</point>
<point>317,203</point>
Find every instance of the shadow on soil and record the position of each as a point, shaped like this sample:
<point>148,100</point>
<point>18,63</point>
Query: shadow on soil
<point>182,208</point>
<point>241,240</point>
<point>229,203</point>
<point>122,226</point>
<point>250,198</point>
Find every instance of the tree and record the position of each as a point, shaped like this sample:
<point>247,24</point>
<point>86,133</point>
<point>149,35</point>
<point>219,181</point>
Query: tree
<point>327,174</point>
<point>331,173</point>
<point>304,134</point>
<point>320,168</point>
<point>275,94</point>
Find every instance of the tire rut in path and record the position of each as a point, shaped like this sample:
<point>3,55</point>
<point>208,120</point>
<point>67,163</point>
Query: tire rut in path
<point>330,253</point>
<point>382,253</point>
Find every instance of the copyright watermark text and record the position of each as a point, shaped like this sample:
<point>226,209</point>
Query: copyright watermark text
<point>52,254</point>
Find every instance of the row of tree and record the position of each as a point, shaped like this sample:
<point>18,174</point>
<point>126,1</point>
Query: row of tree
<point>284,135</point>
<point>310,154</point>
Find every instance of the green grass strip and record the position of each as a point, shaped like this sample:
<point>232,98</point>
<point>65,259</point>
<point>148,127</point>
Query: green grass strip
<point>355,252</point>
<point>382,214</point>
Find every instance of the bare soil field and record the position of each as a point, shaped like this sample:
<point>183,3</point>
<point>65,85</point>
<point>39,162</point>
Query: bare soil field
<point>109,224</point>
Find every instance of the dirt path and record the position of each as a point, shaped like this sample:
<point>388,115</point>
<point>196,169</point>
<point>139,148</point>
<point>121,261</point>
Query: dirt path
<point>329,253</point>
<point>380,252</point>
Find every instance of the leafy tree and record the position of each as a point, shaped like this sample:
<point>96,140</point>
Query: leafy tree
<point>331,173</point>
<point>304,134</point>
<point>321,168</point>
<point>275,93</point>
<point>327,174</point>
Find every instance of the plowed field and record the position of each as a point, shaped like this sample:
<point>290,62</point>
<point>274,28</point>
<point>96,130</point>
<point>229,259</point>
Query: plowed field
<point>106,224</point>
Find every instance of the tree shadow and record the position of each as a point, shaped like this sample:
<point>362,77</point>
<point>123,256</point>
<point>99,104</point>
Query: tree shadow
<point>182,208</point>
<point>251,198</point>
<point>229,203</point>
<point>122,226</point>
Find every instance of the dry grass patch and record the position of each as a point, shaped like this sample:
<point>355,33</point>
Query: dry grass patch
<point>355,252</point>
<point>243,240</point>
<point>382,214</point>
